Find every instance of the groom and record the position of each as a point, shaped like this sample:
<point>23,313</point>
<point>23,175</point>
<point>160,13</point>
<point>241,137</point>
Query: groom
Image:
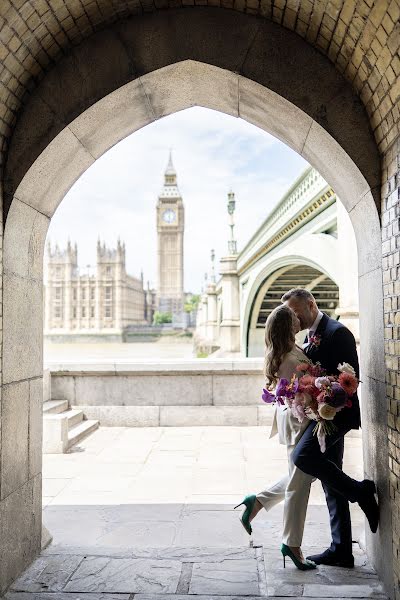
<point>329,342</point>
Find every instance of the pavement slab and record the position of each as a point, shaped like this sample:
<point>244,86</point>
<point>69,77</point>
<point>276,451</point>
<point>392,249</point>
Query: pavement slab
<point>122,575</point>
<point>226,577</point>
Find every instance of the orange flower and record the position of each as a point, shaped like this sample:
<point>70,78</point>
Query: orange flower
<point>349,383</point>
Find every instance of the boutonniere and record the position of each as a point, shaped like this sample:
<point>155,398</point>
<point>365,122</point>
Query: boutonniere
<point>315,340</point>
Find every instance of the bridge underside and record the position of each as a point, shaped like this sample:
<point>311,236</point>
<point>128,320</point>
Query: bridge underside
<point>324,289</point>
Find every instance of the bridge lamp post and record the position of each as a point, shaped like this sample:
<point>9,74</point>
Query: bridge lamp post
<point>232,244</point>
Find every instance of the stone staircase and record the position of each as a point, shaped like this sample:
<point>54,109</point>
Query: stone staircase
<point>63,427</point>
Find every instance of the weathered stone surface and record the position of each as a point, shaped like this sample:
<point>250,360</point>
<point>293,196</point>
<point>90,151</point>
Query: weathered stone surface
<point>335,165</point>
<point>15,426</point>
<point>365,218</point>
<point>27,229</point>
<point>229,577</point>
<point>371,308</point>
<point>48,574</point>
<point>18,533</point>
<point>125,576</point>
<point>152,390</point>
<point>177,416</point>
<point>35,426</point>
<point>273,113</point>
<point>97,127</point>
<point>199,84</point>
<point>236,390</point>
<point>123,416</point>
<point>284,590</point>
<point>62,596</point>
<point>53,173</point>
<point>22,328</point>
<point>343,591</point>
<point>55,434</point>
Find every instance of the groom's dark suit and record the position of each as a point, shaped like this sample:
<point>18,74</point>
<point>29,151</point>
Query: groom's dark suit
<point>336,345</point>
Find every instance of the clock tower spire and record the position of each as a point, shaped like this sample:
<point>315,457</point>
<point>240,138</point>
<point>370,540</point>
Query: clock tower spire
<point>170,230</point>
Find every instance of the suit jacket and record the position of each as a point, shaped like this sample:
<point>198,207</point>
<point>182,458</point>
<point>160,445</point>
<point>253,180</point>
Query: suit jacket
<point>337,345</point>
<point>284,423</point>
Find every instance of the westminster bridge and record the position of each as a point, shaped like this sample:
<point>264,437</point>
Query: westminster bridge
<point>307,240</point>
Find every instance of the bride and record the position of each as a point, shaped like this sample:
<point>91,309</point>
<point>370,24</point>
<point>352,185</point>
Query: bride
<point>281,359</point>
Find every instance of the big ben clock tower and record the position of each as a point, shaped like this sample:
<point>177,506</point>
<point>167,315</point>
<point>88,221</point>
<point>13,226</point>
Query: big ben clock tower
<point>170,228</point>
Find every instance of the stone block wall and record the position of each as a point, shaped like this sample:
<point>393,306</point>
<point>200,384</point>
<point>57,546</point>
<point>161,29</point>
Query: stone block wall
<point>391,289</point>
<point>173,394</point>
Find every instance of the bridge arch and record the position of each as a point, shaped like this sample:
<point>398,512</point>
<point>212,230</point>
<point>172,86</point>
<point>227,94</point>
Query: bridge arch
<point>298,273</point>
<point>244,68</point>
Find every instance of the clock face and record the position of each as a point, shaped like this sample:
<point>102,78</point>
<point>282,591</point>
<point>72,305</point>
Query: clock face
<point>169,215</point>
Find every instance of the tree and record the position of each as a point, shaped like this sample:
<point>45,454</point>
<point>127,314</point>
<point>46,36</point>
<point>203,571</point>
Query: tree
<point>162,317</point>
<point>192,304</point>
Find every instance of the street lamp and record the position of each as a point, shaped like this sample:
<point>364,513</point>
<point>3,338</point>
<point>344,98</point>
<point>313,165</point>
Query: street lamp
<point>212,266</point>
<point>232,244</point>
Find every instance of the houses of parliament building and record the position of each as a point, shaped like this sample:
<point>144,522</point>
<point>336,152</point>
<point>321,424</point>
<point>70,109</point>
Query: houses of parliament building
<point>108,300</point>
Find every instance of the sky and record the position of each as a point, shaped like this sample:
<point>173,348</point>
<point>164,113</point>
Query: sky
<point>212,154</point>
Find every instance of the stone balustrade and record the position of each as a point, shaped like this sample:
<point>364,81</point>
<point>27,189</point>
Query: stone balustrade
<point>164,392</point>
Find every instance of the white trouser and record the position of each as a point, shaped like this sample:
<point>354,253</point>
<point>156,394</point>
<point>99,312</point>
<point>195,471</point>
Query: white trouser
<point>294,489</point>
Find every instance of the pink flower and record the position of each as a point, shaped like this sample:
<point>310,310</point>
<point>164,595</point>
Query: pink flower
<point>348,382</point>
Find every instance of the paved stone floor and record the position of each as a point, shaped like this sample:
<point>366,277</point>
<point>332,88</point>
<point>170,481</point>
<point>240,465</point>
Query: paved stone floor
<point>142,514</point>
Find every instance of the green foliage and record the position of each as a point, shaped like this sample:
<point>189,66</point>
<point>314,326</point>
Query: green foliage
<point>162,317</point>
<point>193,303</point>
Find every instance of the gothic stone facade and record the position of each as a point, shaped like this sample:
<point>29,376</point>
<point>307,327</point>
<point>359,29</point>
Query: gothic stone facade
<point>104,302</point>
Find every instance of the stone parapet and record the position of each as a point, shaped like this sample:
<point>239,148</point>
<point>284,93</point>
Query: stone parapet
<point>165,393</point>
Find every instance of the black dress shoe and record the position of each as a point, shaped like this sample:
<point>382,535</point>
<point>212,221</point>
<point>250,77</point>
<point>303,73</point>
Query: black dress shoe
<point>368,503</point>
<point>332,559</point>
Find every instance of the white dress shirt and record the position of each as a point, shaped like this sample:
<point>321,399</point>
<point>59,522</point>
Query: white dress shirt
<point>314,326</point>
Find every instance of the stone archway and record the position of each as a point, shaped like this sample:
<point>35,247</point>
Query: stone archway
<point>59,135</point>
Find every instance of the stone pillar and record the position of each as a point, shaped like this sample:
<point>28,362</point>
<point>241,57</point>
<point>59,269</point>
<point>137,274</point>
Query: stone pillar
<point>347,257</point>
<point>230,325</point>
<point>211,326</point>
<point>204,316</point>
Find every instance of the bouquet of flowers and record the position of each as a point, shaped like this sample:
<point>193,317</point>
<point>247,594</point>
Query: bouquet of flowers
<point>314,395</point>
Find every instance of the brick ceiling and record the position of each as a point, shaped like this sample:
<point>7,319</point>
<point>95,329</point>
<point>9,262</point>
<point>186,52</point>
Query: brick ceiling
<point>361,37</point>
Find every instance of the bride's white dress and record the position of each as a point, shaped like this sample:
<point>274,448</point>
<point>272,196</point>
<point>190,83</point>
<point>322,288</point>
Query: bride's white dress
<point>294,488</point>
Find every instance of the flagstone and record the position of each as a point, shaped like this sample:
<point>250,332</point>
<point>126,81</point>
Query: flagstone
<point>120,575</point>
<point>47,573</point>
<point>238,577</point>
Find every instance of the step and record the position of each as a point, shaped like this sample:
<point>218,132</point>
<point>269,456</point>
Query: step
<point>75,416</point>
<point>54,407</point>
<point>77,433</point>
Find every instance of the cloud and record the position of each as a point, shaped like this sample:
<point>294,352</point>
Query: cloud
<point>212,153</point>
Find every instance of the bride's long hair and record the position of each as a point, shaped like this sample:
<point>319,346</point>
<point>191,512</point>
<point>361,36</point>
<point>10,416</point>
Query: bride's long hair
<point>279,340</point>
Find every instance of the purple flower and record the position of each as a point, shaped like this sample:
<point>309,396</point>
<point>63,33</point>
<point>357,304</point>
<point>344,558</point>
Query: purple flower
<point>338,396</point>
<point>268,397</point>
<point>281,387</point>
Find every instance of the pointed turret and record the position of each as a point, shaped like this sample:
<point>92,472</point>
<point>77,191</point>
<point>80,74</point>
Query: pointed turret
<point>170,188</point>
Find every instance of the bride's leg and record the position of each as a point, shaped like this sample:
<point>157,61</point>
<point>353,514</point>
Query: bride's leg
<point>295,507</point>
<point>272,495</point>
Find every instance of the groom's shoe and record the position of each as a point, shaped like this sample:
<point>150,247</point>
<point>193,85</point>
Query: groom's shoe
<point>368,503</point>
<point>332,559</point>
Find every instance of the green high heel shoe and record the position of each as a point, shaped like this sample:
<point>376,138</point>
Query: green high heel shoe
<point>307,565</point>
<point>249,503</point>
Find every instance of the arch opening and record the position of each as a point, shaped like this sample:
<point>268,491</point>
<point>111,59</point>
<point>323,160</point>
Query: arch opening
<point>37,189</point>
